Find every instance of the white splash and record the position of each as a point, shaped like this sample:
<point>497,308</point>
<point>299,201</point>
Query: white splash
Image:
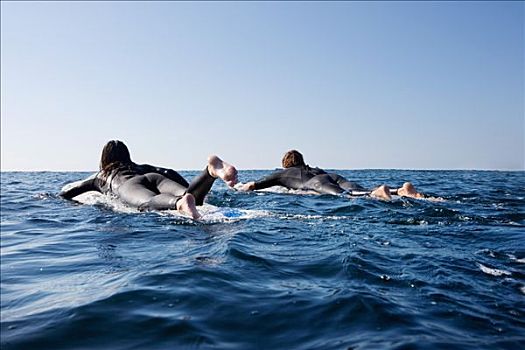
<point>280,189</point>
<point>213,214</point>
<point>96,198</point>
<point>210,213</point>
<point>493,272</point>
<point>514,258</point>
<point>312,217</point>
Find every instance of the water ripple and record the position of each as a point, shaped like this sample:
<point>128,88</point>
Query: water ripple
<point>267,270</point>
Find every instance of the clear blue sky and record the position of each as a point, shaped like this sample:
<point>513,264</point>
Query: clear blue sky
<point>416,85</point>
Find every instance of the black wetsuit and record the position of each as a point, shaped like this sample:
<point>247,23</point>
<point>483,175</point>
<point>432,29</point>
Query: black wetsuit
<point>303,177</point>
<point>145,186</point>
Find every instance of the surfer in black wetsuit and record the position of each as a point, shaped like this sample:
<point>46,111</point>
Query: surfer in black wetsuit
<point>149,187</point>
<point>299,176</point>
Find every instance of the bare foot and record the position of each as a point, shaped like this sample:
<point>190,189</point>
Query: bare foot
<point>408,190</point>
<point>382,192</point>
<point>220,169</point>
<point>186,205</point>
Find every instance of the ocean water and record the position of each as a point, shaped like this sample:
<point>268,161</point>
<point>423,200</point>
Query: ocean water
<point>267,270</point>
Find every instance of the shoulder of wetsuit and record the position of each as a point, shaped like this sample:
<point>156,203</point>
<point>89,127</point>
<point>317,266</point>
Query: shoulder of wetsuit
<point>100,181</point>
<point>318,171</point>
<point>308,169</point>
<point>292,170</point>
<point>143,168</point>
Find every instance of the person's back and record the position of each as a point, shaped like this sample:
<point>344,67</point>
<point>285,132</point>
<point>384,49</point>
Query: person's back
<point>111,178</point>
<point>297,175</point>
<point>294,177</point>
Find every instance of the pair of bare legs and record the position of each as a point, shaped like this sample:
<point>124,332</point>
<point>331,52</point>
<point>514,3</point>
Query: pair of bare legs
<point>217,168</point>
<point>407,190</point>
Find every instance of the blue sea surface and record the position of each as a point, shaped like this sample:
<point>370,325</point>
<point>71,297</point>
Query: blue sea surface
<point>266,270</point>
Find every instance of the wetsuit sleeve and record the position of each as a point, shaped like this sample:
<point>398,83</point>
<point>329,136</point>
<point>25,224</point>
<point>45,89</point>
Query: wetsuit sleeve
<point>274,179</point>
<point>169,173</point>
<point>79,188</point>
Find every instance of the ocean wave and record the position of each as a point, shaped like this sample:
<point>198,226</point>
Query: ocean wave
<point>492,271</point>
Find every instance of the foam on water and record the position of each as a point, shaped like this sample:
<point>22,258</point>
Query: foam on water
<point>96,198</point>
<point>210,213</point>
<point>518,260</point>
<point>493,272</point>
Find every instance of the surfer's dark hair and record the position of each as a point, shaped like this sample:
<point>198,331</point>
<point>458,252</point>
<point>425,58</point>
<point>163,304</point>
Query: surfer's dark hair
<point>292,158</point>
<point>114,154</point>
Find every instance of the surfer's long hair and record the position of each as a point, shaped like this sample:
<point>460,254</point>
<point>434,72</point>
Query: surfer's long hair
<point>292,158</point>
<point>115,154</point>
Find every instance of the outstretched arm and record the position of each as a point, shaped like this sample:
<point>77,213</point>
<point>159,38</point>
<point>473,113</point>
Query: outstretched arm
<point>273,179</point>
<point>72,190</point>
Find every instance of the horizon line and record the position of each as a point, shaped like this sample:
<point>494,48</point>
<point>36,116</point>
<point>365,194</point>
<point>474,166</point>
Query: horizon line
<point>271,169</point>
